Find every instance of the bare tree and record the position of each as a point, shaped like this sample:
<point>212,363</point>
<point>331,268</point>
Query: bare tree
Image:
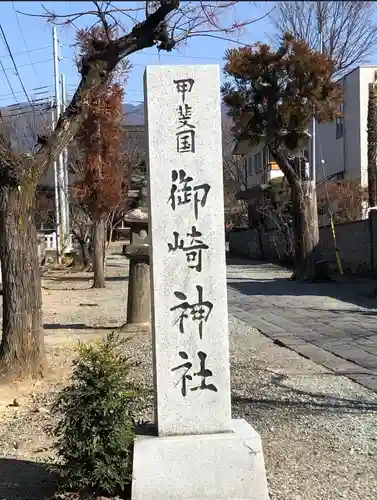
<point>344,200</point>
<point>131,159</point>
<point>100,141</point>
<point>235,178</point>
<point>235,168</point>
<point>349,33</point>
<point>81,229</point>
<point>80,218</point>
<point>165,25</point>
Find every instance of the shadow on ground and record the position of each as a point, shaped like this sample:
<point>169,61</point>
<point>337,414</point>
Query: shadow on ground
<point>240,261</point>
<point>314,402</point>
<point>353,311</point>
<point>83,279</point>
<point>302,402</point>
<point>113,265</point>
<point>355,292</point>
<point>23,480</point>
<point>76,326</point>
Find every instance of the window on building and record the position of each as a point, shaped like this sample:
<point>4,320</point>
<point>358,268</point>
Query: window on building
<point>340,123</point>
<point>258,162</point>
<point>266,156</point>
<point>250,165</point>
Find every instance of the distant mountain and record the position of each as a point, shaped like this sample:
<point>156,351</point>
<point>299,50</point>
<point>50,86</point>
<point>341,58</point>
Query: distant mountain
<point>134,114</point>
<point>24,124</point>
<point>22,118</point>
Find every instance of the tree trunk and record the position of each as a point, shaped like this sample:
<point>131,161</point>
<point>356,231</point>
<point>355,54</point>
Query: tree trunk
<point>305,231</point>
<point>109,236</point>
<point>304,220</point>
<point>81,258</point>
<point>85,253</point>
<point>260,240</point>
<point>21,350</point>
<point>99,238</point>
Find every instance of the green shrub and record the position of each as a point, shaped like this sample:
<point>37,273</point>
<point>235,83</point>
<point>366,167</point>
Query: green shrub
<point>95,422</point>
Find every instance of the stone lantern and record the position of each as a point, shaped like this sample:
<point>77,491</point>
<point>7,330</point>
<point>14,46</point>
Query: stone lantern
<point>138,300</point>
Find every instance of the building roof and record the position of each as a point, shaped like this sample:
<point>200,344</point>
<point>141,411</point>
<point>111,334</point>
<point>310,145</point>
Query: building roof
<point>242,147</point>
<point>360,66</point>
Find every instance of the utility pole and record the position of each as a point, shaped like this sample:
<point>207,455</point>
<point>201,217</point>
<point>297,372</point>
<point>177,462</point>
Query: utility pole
<point>65,167</point>
<point>60,171</point>
<point>57,207</point>
<point>314,125</point>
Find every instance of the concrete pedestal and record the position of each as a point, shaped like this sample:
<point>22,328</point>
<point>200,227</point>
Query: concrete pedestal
<point>227,466</point>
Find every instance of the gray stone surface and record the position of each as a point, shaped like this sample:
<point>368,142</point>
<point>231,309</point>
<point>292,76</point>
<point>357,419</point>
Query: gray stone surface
<point>181,203</point>
<point>138,300</point>
<point>223,466</point>
<point>333,324</point>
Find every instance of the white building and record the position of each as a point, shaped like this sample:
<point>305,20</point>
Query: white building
<point>261,167</point>
<point>341,144</point>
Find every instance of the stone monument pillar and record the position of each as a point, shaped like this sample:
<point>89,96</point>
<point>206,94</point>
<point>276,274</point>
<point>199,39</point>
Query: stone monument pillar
<point>198,451</point>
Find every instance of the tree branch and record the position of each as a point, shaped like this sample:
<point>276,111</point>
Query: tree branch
<point>286,167</point>
<point>95,71</point>
<point>348,28</point>
<point>158,29</point>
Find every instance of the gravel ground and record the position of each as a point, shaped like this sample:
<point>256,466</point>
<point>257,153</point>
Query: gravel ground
<point>319,430</point>
<point>314,424</point>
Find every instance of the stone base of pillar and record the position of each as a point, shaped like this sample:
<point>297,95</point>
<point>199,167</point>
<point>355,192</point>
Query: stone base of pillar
<point>135,328</point>
<point>138,301</point>
<point>200,467</point>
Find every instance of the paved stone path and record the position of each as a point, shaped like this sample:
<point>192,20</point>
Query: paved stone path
<point>333,324</point>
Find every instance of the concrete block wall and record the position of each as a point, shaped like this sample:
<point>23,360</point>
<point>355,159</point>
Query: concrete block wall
<point>275,246</point>
<point>356,241</point>
<point>245,244</point>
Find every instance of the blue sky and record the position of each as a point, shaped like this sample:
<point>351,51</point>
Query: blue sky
<point>30,40</point>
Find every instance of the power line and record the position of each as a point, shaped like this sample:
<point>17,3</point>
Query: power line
<point>169,56</point>
<point>24,39</point>
<point>32,64</point>
<point>24,51</point>
<point>4,56</point>
<point>15,66</point>
<point>21,92</point>
<point>23,106</point>
<point>15,114</point>
<point>137,65</point>
<point>127,91</point>
<point>19,77</point>
<point>9,84</point>
<point>47,96</point>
